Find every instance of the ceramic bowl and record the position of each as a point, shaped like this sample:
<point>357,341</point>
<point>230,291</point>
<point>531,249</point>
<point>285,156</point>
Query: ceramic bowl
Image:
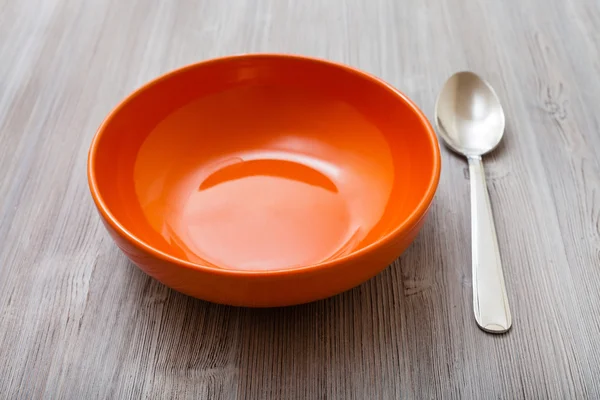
<point>264,180</point>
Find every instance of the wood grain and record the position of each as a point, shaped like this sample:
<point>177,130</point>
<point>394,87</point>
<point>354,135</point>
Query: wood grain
<point>78,321</point>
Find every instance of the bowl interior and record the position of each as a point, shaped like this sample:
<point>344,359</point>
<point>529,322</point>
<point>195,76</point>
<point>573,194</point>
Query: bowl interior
<point>263,162</point>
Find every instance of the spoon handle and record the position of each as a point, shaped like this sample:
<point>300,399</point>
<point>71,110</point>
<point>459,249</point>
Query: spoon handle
<point>490,301</point>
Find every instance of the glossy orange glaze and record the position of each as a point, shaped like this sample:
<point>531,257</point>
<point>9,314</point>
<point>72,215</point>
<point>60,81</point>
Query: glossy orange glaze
<point>264,180</point>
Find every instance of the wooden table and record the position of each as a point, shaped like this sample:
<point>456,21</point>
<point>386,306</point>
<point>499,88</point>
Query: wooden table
<point>78,321</point>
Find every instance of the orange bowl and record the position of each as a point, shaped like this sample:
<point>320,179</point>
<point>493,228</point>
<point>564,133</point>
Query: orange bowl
<point>264,180</point>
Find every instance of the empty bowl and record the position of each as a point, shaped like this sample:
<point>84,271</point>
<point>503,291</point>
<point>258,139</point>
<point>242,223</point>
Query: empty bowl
<point>264,180</point>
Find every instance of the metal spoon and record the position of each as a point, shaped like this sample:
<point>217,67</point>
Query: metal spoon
<point>470,119</point>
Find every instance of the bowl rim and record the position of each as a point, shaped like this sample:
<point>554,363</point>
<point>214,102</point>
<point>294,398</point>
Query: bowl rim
<point>413,218</point>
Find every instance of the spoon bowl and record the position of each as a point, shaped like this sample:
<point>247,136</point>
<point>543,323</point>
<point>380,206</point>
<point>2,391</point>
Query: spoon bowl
<point>469,115</point>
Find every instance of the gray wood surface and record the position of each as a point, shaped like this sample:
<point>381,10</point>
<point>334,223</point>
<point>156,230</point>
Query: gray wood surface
<point>78,321</point>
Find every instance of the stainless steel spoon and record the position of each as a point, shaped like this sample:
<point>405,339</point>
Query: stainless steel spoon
<point>470,119</point>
